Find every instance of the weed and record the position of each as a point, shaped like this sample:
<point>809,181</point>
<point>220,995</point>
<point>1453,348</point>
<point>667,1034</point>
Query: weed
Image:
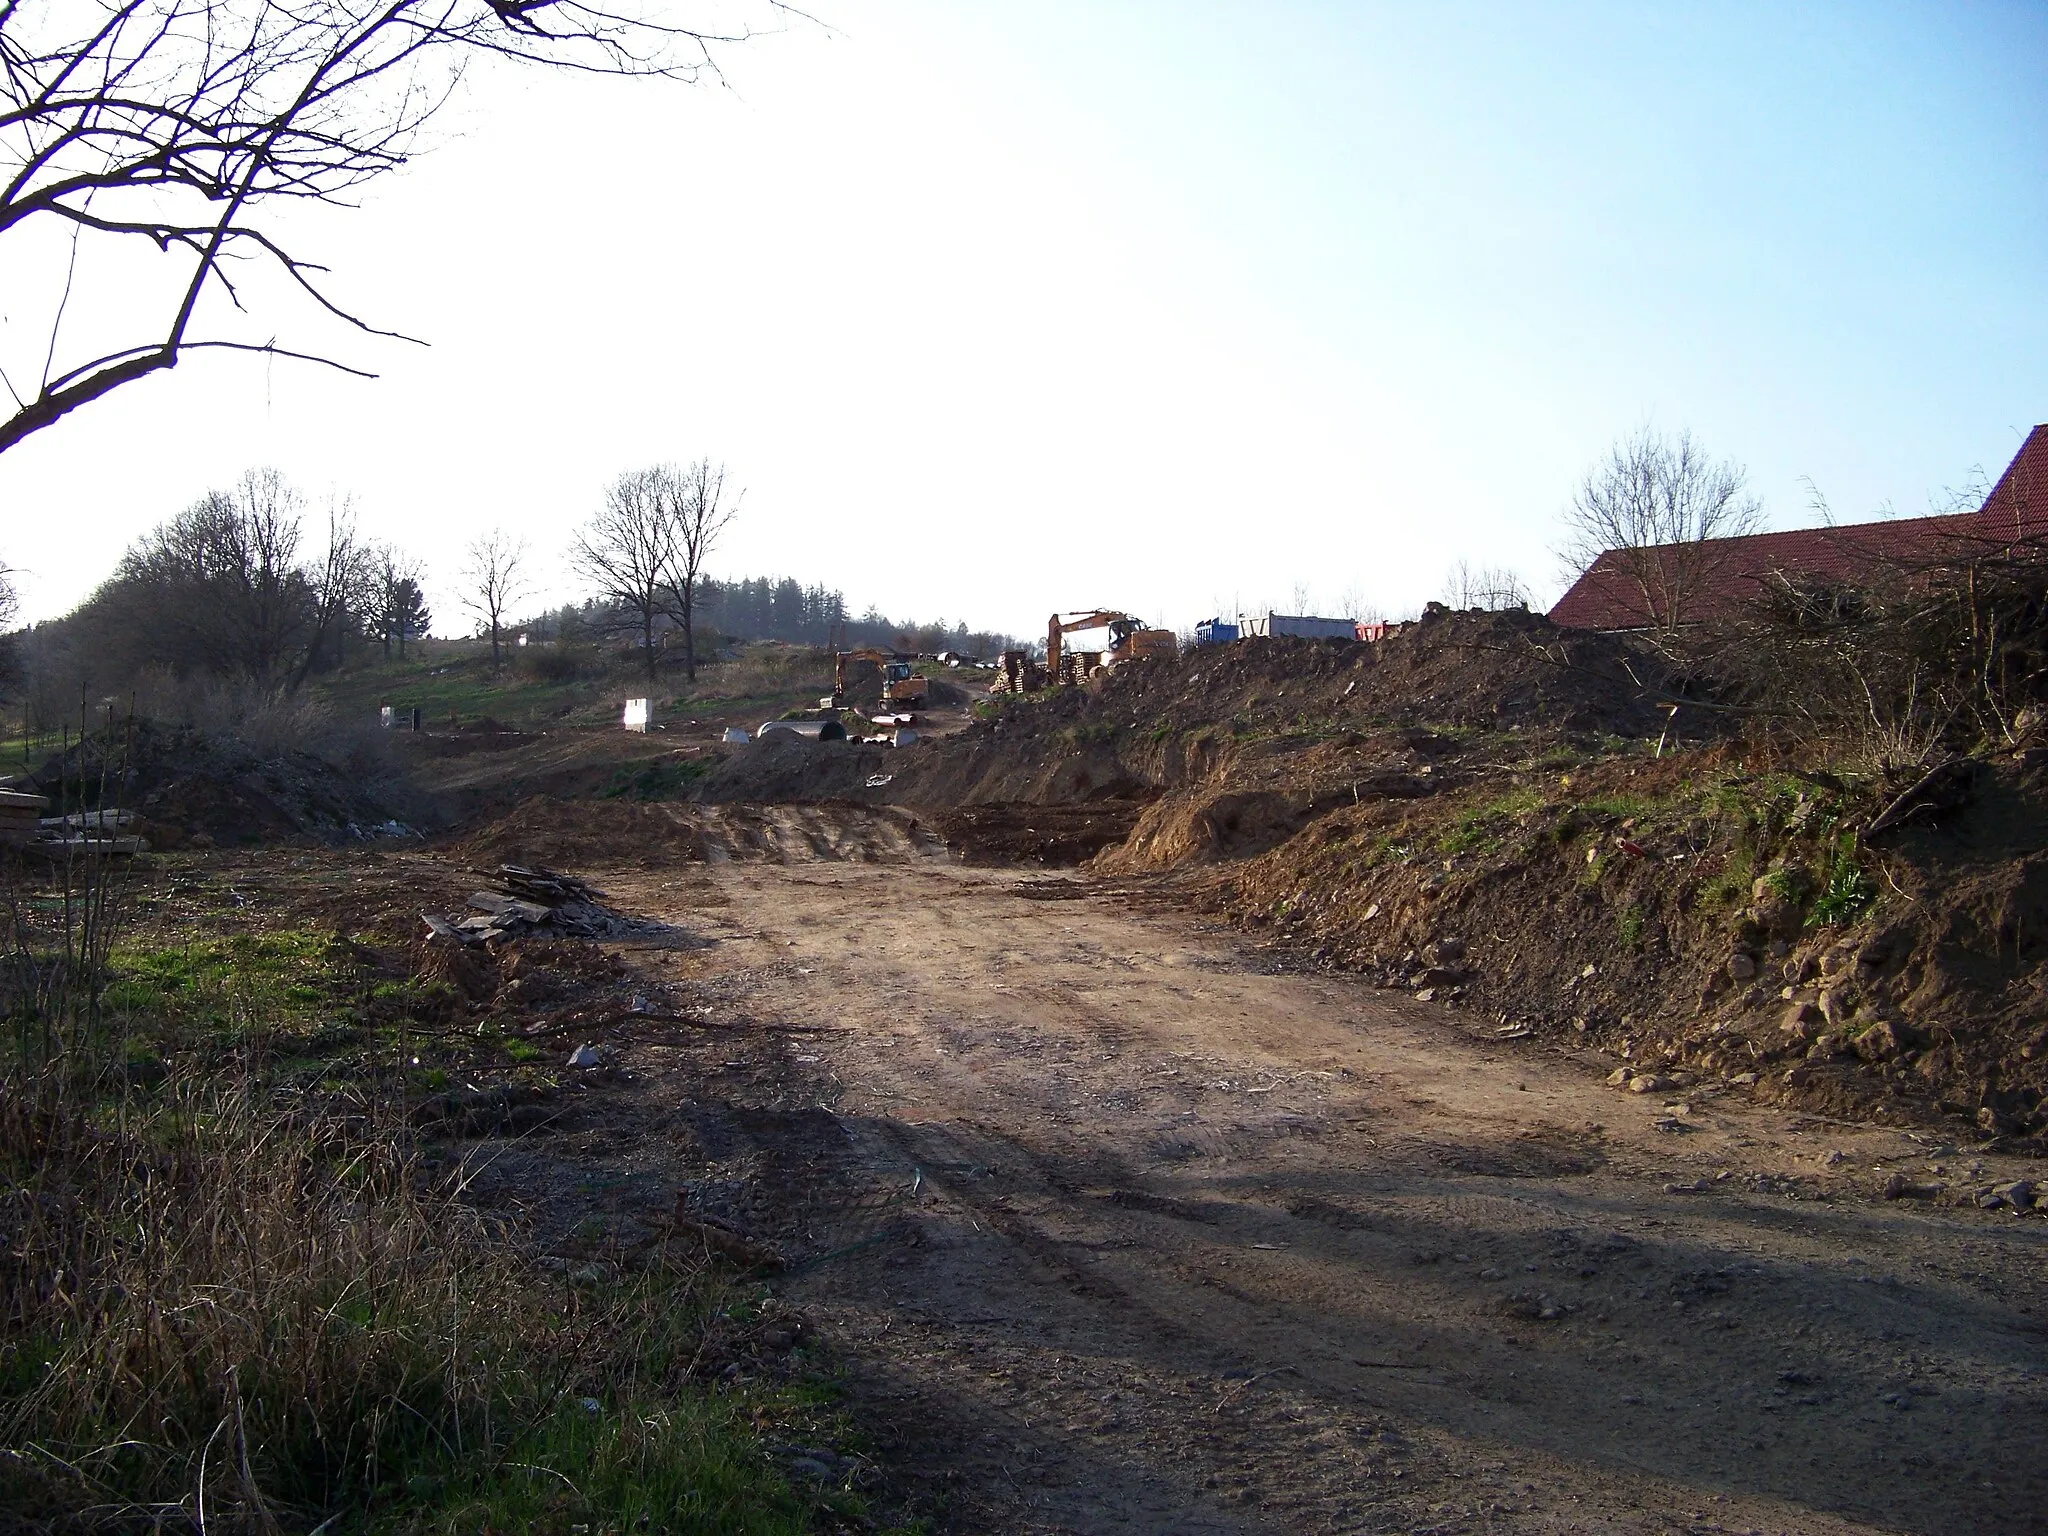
<point>1848,892</point>
<point>1629,925</point>
<point>1620,807</point>
<point>1731,885</point>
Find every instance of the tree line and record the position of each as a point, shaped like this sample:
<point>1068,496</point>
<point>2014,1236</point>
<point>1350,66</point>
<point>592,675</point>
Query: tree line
<point>255,587</point>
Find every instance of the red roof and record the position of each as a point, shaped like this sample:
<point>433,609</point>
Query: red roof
<point>1727,573</point>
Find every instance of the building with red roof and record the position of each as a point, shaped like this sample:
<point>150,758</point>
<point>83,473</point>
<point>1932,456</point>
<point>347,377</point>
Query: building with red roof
<point>1728,575</point>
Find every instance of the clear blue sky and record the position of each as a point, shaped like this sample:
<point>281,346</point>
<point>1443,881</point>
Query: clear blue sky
<point>997,309</point>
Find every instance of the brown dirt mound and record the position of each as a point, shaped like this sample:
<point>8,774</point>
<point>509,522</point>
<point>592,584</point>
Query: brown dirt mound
<point>1160,724</point>
<point>196,788</point>
<point>587,834</point>
<point>1057,836</point>
<point>1702,918</point>
<point>783,766</point>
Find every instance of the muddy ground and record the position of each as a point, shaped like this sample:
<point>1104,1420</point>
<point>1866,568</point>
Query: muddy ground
<point>1111,1219</point>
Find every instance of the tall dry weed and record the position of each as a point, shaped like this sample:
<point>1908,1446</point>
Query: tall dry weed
<point>226,1305</point>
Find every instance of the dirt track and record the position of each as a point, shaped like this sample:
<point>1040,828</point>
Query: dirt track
<point>1131,1231</point>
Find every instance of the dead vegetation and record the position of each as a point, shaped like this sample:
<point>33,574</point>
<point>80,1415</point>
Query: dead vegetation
<point>244,1285</point>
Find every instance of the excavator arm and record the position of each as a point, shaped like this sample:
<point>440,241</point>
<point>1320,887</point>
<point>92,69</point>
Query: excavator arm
<point>867,653</point>
<point>1103,618</point>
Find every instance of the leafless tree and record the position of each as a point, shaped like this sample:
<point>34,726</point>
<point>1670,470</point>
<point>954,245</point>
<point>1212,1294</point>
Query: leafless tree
<point>10,601</point>
<point>630,550</point>
<point>704,514</point>
<point>1491,587</point>
<point>148,147</point>
<point>219,587</point>
<point>495,579</point>
<point>1649,515</point>
<point>1355,606</point>
<point>341,587</point>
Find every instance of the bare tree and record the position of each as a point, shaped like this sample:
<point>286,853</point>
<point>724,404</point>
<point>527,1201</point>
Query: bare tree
<point>1355,606</point>
<point>703,516</point>
<point>160,140</point>
<point>340,587</point>
<point>10,601</point>
<point>1649,515</point>
<point>1493,588</point>
<point>629,550</point>
<point>219,588</point>
<point>495,578</point>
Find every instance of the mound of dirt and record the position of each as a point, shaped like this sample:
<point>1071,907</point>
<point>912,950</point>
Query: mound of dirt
<point>193,788</point>
<point>1057,836</point>
<point>587,834</point>
<point>783,766</point>
<point>1704,920</point>
<point>1212,715</point>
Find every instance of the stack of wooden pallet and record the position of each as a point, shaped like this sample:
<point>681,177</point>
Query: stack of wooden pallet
<point>20,817</point>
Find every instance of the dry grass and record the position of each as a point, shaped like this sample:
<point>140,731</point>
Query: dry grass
<point>228,1306</point>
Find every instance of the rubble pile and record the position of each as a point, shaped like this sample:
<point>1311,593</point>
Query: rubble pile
<point>536,902</point>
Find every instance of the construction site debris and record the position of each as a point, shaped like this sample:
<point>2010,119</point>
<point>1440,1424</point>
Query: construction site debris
<point>536,901</point>
<point>811,730</point>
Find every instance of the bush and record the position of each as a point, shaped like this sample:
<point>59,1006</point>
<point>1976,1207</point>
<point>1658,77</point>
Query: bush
<point>561,662</point>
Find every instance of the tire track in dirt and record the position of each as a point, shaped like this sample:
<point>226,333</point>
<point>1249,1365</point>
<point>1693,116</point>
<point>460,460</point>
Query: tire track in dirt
<point>1199,1248</point>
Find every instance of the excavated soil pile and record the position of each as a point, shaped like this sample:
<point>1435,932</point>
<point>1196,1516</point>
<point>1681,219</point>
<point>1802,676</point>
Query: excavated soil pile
<point>1057,836</point>
<point>1706,918</point>
<point>781,766</point>
<point>1156,725</point>
<point>586,833</point>
<point>192,788</point>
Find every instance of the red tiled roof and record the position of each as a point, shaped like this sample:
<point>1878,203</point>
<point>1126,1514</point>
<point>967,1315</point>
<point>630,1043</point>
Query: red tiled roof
<point>1729,572</point>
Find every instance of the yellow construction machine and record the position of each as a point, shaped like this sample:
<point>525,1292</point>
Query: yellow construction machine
<point>1129,640</point>
<point>901,687</point>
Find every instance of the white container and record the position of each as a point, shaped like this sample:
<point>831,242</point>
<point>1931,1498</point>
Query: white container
<point>637,714</point>
<point>735,737</point>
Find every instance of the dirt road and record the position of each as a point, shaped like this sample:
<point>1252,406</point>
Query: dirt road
<point>1128,1229</point>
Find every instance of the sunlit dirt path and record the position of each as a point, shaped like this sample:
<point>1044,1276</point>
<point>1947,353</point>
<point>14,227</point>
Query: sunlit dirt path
<point>1139,1232</point>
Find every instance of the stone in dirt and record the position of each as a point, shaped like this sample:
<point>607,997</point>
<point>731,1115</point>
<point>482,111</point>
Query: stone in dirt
<point>1803,1020</point>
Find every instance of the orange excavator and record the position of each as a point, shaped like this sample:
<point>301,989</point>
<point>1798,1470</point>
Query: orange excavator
<point>1129,640</point>
<point>901,687</point>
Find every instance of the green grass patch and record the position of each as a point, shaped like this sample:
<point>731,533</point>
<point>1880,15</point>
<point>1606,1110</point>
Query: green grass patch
<point>656,778</point>
<point>1629,926</point>
<point>1483,828</point>
<point>289,979</point>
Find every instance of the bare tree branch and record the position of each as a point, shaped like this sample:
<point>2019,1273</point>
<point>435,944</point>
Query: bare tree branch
<point>167,128</point>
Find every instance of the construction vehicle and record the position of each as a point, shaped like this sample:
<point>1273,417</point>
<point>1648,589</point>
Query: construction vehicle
<point>1129,640</point>
<point>901,686</point>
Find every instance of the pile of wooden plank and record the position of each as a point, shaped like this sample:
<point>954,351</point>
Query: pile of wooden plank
<point>535,903</point>
<point>1017,673</point>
